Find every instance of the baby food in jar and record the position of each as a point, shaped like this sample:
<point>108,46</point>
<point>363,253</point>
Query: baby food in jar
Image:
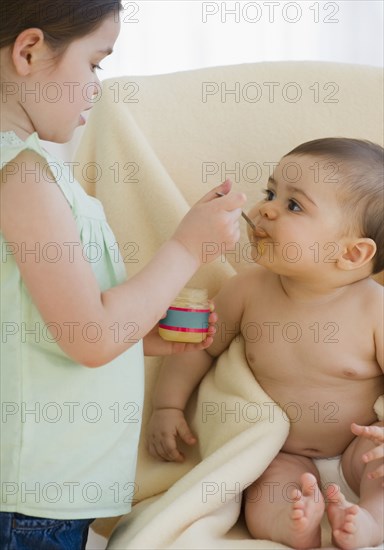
<point>187,317</point>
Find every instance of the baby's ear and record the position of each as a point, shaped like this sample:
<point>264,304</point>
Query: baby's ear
<point>358,253</point>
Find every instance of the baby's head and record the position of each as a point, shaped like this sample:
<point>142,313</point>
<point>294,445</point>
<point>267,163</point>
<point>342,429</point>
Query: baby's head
<point>323,209</point>
<point>357,169</point>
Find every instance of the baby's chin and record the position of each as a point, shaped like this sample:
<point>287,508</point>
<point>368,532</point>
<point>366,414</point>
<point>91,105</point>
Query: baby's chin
<point>258,251</point>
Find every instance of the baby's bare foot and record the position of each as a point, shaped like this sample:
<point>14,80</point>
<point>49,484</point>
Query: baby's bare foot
<point>305,515</point>
<point>353,527</point>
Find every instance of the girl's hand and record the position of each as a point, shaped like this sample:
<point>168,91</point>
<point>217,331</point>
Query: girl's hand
<point>212,224</point>
<point>164,428</point>
<point>155,345</point>
<point>374,433</point>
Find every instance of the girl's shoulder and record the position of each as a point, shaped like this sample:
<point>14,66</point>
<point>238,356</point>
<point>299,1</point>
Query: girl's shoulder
<point>29,162</point>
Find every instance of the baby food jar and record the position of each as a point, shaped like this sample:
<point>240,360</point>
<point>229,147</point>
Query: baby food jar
<point>187,317</point>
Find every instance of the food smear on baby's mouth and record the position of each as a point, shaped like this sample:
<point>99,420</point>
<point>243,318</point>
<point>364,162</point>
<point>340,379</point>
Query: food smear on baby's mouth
<point>260,246</point>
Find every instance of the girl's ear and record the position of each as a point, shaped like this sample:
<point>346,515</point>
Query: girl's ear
<point>358,253</point>
<point>26,49</point>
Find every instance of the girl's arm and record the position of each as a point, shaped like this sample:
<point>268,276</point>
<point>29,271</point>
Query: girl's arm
<point>35,213</point>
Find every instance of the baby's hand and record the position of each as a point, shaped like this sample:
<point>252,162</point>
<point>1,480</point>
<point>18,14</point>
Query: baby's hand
<point>164,427</point>
<point>375,434</point>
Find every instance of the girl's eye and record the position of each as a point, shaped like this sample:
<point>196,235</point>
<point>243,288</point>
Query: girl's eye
<point>94,67</point>
<point>269,194</point>
<point>293,206</point>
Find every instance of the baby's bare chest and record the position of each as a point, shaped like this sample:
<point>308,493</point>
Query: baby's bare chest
<point>319,365</point>
<point>311,343</point>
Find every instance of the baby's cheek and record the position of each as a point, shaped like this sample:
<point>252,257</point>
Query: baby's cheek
<point>253,212</point>
<point>253,253</point>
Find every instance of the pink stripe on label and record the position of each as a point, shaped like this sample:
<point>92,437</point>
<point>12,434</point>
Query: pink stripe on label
<point>183,329</point>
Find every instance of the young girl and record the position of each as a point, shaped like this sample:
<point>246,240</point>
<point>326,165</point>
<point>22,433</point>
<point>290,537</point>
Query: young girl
<point>69,428</point>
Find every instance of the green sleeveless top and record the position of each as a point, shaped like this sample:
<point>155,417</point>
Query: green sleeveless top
<point>69,434</point>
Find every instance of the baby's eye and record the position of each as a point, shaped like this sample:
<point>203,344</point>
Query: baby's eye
<point>293,206</point>
<point>269,194</point>
<point>94,67</point>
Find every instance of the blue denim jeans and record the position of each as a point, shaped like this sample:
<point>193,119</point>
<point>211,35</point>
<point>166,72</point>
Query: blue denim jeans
<point>19,532</point>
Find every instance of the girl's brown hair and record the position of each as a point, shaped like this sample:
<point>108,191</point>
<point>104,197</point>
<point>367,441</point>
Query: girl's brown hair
<point>61,21</point>
<point>359,187</point>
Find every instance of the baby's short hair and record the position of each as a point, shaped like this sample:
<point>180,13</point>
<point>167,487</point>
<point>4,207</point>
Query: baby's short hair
<point>361,193</point>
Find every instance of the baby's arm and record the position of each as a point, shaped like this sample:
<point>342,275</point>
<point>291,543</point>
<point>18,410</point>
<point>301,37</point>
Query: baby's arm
<point>177,379</point>
<point>375,433</point>
<point>180,374</point>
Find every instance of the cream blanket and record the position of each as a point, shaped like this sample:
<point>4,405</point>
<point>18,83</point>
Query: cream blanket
<point>240,430</point>
<point>152,147</point>
<point>238,437</point>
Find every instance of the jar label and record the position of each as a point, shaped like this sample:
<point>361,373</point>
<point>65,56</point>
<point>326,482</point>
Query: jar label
<point>186,320</point>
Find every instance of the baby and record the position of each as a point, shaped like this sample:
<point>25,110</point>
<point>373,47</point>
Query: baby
<point>318,237</point>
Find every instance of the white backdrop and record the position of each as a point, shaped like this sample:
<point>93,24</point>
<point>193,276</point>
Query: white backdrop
<point>161,36</point>
<point>166,36</point>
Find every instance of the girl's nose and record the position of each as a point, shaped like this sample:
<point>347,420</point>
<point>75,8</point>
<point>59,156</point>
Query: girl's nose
<point>268,210</point>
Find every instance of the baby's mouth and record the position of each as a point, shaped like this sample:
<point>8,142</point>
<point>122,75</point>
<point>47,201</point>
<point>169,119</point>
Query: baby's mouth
<point>260,233</point>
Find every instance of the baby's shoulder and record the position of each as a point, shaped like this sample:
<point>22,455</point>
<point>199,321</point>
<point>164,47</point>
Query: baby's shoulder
<point>376,299</point>
<point>368,298</point>
<point>371,291</point>
<point>251,281</point>
<point>245,274</point>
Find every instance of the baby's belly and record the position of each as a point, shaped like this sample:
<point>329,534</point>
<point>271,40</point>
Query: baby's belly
<point>321,427</point>
<point>319,442</point>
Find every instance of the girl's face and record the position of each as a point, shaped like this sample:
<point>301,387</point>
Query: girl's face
<point>65,87</point>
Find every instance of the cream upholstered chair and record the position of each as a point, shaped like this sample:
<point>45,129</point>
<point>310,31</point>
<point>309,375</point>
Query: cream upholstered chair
<point>155,144</point>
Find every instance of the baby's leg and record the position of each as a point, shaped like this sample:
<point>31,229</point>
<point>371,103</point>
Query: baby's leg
<point>285,504</point>
<point>355,526</point>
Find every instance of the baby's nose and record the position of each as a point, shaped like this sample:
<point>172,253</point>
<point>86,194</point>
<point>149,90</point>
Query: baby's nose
<point>268,210</point>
